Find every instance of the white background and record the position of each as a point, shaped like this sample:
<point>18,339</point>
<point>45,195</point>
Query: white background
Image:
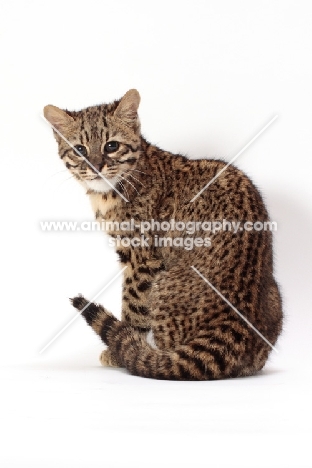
<point>211,74</point>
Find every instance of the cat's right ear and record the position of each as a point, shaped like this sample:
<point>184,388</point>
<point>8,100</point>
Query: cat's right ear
<point>58,118</point>
<point>127,109</point>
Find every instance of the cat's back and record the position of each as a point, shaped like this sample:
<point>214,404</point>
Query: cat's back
<point>205,184</point>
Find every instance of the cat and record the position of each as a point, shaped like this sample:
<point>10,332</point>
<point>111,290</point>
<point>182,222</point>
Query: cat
<point>175,325</point>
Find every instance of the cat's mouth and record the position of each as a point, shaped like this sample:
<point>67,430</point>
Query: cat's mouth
<point>101,175</point>
<point>101,183</point>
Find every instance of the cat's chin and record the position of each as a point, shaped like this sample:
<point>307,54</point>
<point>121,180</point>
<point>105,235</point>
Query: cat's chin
<point>101,185</point>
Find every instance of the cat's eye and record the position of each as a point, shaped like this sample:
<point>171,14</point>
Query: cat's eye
<point>82,150</point>
<point>111,146</point>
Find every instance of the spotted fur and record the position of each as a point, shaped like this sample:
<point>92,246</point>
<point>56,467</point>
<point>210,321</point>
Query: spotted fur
<point>195,334</point>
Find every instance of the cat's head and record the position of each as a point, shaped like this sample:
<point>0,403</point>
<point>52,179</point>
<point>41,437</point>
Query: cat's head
<point>99,144</point>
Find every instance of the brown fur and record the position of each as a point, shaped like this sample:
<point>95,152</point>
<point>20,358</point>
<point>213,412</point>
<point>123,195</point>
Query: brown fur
<point>197,335</point>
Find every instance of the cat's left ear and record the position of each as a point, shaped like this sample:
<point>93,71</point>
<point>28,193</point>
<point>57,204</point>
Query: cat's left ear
<point>127,109</point>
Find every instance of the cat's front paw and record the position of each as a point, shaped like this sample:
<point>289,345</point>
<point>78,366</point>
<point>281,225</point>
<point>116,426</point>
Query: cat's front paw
<point>107,359</point>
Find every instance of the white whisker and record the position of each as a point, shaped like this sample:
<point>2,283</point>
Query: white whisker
<point>55,174</point>
<point>128,173</point>
<point>124,178</point>
<point>140,171</point>
<point>122,185</point>
<point>66,180</point>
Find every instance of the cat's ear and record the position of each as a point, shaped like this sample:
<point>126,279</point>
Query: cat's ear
<point>58,118</point>
<point>127,109</point>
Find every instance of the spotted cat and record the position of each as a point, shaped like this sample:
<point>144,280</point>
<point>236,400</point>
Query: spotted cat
<point>200,304</point>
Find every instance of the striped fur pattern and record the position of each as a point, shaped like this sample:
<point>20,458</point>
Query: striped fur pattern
<point>195,334</point>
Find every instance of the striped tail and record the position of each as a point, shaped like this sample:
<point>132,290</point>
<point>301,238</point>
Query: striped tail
<point>200,359</point>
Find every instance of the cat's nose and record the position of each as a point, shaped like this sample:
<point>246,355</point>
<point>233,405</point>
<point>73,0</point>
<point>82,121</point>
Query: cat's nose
<point>107,161</point>
<point>97,166</point>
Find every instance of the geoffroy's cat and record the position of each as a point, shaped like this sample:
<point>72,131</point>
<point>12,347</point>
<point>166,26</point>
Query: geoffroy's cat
<point>181,298</point>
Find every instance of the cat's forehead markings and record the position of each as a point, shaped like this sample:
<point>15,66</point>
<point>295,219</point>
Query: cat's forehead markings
<point>92,121</point>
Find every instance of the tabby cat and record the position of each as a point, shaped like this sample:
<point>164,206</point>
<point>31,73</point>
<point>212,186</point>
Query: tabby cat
<point>175,324</point>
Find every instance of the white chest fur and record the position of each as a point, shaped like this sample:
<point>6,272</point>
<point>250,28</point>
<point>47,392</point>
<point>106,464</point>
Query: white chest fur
<point>102,203</point>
